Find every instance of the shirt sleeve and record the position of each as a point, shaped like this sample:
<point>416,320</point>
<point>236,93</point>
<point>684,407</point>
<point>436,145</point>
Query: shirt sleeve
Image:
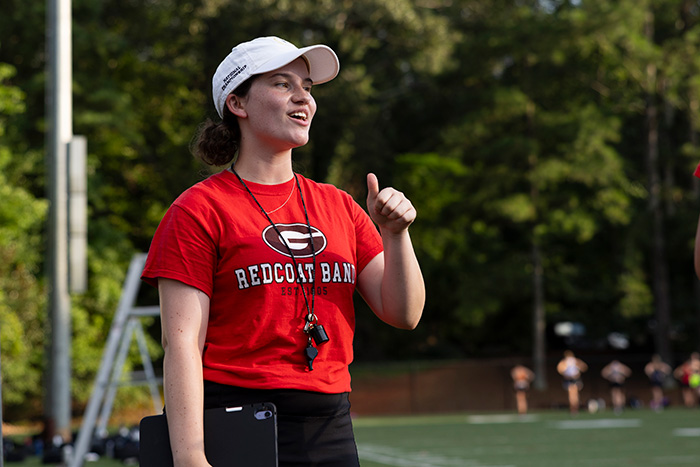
<point>697,171</point>
<point>182,249</point>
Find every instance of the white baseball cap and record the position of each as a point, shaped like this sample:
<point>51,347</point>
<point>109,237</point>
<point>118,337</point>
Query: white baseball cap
<point>267,54</point>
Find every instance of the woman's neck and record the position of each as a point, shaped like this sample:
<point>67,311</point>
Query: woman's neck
<point>271,170</point>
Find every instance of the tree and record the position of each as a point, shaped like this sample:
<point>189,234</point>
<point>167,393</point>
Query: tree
<point>515,127</point>
<point>21,290</point>
<point>650,73</point>
<point>542,184</point>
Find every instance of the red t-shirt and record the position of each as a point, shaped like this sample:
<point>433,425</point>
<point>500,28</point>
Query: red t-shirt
<point>215,238</point>
<point>697,171</point>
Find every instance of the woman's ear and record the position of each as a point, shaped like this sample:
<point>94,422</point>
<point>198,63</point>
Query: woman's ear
<point>235,105</point>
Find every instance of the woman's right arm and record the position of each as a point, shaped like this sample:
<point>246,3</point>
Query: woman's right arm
<point>184,316</point>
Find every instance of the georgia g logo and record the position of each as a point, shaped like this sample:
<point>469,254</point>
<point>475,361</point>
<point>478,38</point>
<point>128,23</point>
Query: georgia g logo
<point>297,237</point>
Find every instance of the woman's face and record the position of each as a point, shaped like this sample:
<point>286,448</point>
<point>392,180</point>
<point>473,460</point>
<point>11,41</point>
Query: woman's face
<point>278,109</point>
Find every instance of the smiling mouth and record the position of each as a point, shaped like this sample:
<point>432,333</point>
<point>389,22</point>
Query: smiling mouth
<point>299,116</point>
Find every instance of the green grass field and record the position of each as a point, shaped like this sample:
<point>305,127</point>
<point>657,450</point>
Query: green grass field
<point>543,439</point>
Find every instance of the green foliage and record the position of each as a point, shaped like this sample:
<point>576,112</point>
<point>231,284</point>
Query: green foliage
<point>21,292</point>
<point>512,126</point>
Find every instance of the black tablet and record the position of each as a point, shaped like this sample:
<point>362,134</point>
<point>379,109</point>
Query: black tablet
<point>245,435</point>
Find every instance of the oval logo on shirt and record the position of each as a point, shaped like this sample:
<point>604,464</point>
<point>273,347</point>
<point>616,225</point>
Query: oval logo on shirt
<point>297,238</point>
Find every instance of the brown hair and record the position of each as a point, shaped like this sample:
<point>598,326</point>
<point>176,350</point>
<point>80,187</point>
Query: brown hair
<point>217,144</point>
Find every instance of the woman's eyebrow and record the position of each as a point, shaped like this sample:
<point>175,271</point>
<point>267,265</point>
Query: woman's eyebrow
<point>291,76</point>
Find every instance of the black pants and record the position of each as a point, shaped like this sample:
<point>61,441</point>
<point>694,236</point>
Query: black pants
<point>313,429</point>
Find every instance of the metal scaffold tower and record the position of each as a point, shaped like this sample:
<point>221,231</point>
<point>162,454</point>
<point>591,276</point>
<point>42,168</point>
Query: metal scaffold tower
<point>125,328</point>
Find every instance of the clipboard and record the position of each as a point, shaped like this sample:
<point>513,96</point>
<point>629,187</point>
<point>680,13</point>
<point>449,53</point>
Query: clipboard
<point>245,435</point>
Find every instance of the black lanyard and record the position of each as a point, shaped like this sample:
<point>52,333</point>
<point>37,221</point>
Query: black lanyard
<point>315,331</point>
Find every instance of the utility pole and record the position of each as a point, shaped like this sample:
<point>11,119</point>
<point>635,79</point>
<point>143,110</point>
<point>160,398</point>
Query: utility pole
<point>59,110</point>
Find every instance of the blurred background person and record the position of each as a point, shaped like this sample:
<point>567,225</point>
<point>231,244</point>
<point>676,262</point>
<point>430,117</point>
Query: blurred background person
<point>522,377</point>
<point>571,369</point>
<point>616,373</point>
<point>657,371</point>
<point>688,373</point>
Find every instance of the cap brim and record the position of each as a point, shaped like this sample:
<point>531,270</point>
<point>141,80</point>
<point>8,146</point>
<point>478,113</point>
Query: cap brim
<point>323,62</point>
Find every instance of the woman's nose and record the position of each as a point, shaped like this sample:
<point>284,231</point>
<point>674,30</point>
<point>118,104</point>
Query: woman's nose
<point>301,95</point>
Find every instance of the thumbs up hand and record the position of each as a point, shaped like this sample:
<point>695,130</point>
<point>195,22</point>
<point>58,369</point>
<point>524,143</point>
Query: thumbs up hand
<point>388,208</point>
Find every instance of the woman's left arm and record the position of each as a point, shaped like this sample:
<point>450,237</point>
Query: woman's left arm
<point>392,283</point>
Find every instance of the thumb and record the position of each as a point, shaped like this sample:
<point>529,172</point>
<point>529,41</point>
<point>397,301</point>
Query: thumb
<point>372,186</point>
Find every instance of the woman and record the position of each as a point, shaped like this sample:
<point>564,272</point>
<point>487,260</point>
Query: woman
<point>571,368</point>
<point>688,373</point>
<point>522,377</point>
<point>657,371</point>
<point>616,373</point>
<point>256,266</point>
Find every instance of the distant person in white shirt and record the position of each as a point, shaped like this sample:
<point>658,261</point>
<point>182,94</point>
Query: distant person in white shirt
<point>571,368</point>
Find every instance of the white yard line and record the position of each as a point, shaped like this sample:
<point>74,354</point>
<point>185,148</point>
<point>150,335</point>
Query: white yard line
<point>501,418</point>
<point>597,424</point>
<point>399,458</point>
<point>687,432</point>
